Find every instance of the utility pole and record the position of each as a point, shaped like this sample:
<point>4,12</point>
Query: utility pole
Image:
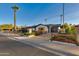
<point>63,19</point>
<point>63,14</point>
<point>15,8</point>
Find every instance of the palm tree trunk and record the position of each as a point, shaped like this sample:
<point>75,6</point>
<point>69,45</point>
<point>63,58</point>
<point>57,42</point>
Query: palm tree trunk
<point>14,20</point>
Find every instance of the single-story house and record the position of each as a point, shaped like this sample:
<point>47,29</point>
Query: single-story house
<point>44,28</point>
<point>8,27</point>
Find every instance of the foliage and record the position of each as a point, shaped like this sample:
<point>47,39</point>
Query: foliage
<point>6,26</point>
<point>27,33</point>
<point>38,33</point>
<point>69,29</point>
<point>68,36</point>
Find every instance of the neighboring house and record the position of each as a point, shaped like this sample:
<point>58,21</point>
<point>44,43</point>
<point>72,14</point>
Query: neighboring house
<point>8,28</point>
<point>27,29</point>
<point>44,28</point>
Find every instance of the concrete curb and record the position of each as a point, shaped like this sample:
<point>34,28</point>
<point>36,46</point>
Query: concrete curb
<point>50,50</point>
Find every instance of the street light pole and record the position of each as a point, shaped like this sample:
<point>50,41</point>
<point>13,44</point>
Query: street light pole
<point>62,15</point>
<point>61,20</point>
<point>15,8</point>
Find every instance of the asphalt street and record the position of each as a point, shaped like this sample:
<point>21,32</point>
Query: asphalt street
<point>10,47</point>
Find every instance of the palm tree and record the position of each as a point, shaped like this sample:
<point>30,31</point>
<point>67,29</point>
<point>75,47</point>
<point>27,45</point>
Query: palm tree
<point>15,8</point>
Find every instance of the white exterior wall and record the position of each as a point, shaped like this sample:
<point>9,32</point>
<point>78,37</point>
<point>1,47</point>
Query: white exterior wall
<point>30,30</point>
<point>40,26</point>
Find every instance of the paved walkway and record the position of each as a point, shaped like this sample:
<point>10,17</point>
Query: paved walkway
<point>59,47</point>
<point>53,47</point>
<point>10,47</point>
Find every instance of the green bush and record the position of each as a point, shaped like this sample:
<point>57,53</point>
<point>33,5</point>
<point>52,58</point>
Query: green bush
<point>69,29</point>
<point>33,33</point>
<point>38,33</point>
<point>27,33</point>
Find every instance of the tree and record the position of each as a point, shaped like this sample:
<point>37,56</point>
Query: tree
<point>15,8</point>
<point>69,28</point>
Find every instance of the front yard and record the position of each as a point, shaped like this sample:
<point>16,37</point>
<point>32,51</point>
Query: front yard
<point>69,38</point>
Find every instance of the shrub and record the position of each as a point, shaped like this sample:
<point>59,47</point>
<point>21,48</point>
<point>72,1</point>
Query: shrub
<point>69,29</point>
<point>38,33</point>
<point>27,33</point>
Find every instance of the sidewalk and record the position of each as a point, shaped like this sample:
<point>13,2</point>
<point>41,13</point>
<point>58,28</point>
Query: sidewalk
<point>56,47</point>
<point>59,48</point>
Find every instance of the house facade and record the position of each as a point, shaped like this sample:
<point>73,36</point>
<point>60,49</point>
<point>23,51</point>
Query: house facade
<point>6,27</point>
<point>43,28</point>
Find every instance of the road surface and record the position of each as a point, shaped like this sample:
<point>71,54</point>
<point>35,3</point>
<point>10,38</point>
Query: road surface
<point>10,47</point>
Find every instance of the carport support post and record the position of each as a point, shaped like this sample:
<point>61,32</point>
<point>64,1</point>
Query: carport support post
<point>50,28</point>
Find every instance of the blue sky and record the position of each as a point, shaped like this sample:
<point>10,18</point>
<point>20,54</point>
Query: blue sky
<point>36,13</point>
